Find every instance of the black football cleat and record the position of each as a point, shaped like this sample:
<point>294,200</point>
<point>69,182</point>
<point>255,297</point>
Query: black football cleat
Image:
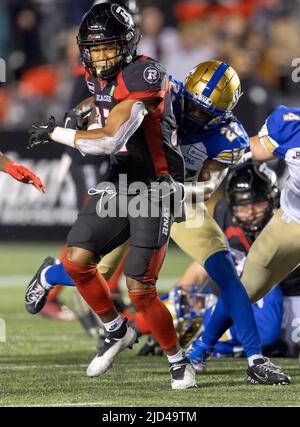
<point>36,294</point>
<point>182,375</point>
<point>265,372</point>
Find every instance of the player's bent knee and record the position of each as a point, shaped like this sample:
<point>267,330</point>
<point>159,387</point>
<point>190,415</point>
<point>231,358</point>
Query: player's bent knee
<point>142,266</point>
<point>79,271</point>
<point>81,256</point>
<point>136,285</point>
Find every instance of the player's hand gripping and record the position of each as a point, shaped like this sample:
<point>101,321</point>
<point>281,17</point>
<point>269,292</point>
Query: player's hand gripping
<point>39,134</point>
<point>76,119</point>
<point>22,174</point>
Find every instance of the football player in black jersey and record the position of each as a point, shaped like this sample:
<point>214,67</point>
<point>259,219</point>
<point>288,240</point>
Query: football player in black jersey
<point>137,127</point>
<point>20,173</point>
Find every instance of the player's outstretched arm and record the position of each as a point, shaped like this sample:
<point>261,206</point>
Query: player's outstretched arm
<point>20,173</point>
<point>210,178</point>
<point>259,150</point>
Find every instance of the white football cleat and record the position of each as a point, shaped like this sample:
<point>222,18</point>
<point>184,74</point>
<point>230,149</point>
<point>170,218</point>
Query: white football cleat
<point>183,375</point>
<point>109,351</point>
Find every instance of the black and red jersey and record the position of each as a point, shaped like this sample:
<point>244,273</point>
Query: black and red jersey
<point>152,151</point>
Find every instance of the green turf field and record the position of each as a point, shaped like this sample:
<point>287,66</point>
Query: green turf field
<point>43,362</point>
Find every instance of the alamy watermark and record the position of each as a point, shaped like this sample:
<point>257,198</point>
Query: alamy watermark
<point>184,202</point>
<point>2,330</point>
<point>2,70</point>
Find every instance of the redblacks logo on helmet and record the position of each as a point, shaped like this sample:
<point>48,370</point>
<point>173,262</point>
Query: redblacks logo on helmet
<point>121,14</point>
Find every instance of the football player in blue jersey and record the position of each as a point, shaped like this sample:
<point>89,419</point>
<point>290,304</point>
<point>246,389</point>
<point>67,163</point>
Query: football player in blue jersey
<point>211,140</point>
<point>275,253</point>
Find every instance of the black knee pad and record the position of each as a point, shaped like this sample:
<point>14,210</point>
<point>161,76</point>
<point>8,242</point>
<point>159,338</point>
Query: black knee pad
<point>144,264</point>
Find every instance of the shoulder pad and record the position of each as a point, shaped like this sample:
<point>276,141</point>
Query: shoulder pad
<point>144,74</point>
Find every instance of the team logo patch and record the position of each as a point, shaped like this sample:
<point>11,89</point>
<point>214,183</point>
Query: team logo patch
<point>121,15</point>
<point>151,75</point>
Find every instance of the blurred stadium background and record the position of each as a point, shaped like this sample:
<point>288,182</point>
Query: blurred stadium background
<point>260,39</point>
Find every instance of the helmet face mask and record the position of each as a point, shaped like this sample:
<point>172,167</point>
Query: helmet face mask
<point>199,115</point>
<point>107,24</point>
<point>252,194</point>
<point>108,65</point>
<point>252,216</point>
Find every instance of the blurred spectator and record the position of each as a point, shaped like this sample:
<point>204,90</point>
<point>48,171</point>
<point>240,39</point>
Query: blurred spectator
<point>196,44</point>
<point>5,31</point>
<point>259,38</point>
<point>284,37</point>
<point>27,50</point>
<point>157,41</point>
<point>258,99</point>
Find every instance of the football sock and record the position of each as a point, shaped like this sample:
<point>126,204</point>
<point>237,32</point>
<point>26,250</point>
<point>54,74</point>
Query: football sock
<point>176,357</point>
<point>141,324</point>
<point>56,274</point>
<point>233,303</point>
<point>156,315</point>
<point>114,324</point>
<point>254,358</point>
<point>91,286</point>
<point>46,285</point>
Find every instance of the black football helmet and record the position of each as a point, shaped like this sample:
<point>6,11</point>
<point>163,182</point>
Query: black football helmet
<point>131,6</point>
<point>252,184</point>
<point>107,23</point>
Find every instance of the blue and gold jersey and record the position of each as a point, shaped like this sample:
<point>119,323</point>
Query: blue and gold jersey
<point>225,142</point>
<point>280,135</point>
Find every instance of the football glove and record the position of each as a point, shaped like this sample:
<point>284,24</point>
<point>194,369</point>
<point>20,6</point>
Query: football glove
<point>39,134</point>
<point>76,119</point>
<point>22,174</point>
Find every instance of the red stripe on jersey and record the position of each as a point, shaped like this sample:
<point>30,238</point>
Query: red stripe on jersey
<point>121,92</point>
<point>238,232</point>
<point>151,124</point>
<point>146,95</point>
<point>155,264</point>
<point>143,57</point>
<point>154,138</point>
